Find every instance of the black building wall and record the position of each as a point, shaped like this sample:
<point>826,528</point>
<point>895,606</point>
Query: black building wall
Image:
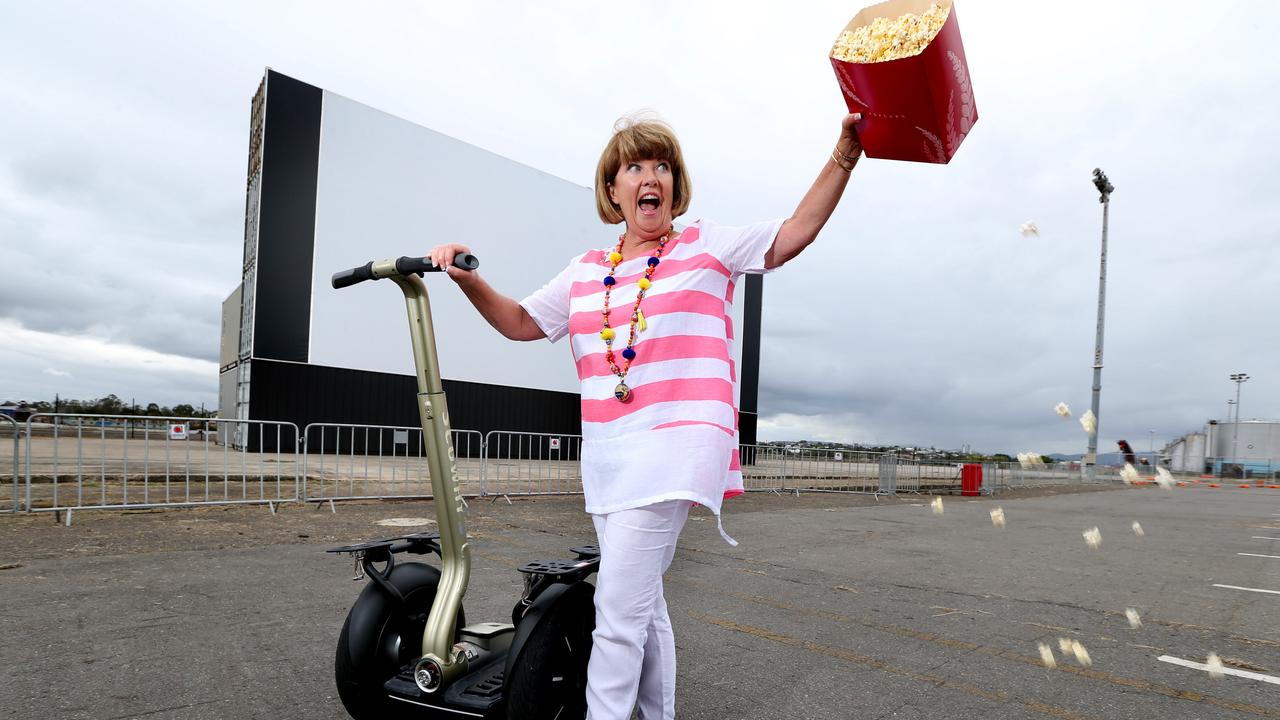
<point>303,394</point>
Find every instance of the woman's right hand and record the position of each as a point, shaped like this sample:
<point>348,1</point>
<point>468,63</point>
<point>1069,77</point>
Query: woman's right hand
<point>442,256</point>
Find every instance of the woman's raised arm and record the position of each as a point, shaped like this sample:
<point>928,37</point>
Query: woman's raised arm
<point>817,205</point>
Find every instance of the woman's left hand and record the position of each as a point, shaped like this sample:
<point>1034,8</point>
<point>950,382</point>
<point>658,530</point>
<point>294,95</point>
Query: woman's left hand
<point>848,143</point>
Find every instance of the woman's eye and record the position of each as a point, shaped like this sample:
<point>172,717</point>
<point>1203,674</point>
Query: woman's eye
<point>632,166</point>
<point>663,167</point>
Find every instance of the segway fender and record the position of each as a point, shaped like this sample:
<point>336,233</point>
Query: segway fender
<point>544,607</point>
<point>375,607</point>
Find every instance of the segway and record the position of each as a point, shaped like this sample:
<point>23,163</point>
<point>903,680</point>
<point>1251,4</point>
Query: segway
<point>405,649</point>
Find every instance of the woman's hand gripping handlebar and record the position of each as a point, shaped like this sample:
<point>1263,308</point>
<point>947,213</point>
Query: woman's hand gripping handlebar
<point>400,266</point>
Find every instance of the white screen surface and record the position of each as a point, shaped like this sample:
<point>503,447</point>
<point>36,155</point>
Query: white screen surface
<point>387,187</point>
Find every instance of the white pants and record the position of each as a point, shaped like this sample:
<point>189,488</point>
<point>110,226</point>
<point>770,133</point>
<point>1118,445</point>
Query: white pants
<point>633,652</point>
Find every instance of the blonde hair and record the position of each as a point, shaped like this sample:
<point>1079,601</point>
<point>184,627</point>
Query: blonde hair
<point>637,137</point>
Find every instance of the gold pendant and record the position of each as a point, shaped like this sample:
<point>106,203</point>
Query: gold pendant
<point>622,392</point>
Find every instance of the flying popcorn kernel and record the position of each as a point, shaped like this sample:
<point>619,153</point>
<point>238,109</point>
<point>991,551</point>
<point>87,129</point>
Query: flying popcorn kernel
<point>1046,656</point>
<point>1093,537</point>
<point>937,506</point>
<point>1137,529</point>
<point>1064,645</point>
<point>1029,229</point>
<point>1030,460</point>
<point>1089,422</point>
<point>1063,411</point>
<point>1129,474</point>
<point>997,517</point>
<point>1214,668</point>
<point>1082,655</point>
<point>1164,479</point>
<point>890,38</point>
<point>1132,616</point>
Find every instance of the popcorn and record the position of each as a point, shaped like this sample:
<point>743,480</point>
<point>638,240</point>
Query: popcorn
<point>1030,460</point>
<point>997,517</point>
<point>1082,655</point>
<point>1046,656</point>
<point>937,506</point>
<point>1128,474</point>
<point>1131,615</point>
<point>1029,229</point>
<point>1164,479</point>
<point>1071,646</point>
<point>1214,666</point>
<point>1089,422</point>
<point>1093,537</point>
<point>887,39</point>
<point>1137,529</point>
<point>1063,411</point>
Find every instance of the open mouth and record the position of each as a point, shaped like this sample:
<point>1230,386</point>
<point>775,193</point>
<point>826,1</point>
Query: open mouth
<point>649,203</point>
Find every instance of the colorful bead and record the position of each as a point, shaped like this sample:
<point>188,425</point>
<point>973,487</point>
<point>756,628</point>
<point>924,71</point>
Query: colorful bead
<point>622,392</point>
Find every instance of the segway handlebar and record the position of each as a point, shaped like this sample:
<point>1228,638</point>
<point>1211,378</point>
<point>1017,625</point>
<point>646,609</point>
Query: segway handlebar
<point>402,266</point>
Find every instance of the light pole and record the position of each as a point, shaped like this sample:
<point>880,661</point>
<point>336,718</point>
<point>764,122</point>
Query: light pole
<point>1239,379</point>
<point>1105,188</point>
<point>1151,449</point>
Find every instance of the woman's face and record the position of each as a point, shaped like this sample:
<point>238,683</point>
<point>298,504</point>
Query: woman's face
<point>644,190</point>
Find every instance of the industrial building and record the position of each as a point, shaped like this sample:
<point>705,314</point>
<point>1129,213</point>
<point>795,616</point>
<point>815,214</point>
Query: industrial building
<point>333,184</point>
<point>1227,448</point>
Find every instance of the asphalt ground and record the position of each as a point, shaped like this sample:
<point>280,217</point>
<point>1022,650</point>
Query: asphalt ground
<point>833,606</point>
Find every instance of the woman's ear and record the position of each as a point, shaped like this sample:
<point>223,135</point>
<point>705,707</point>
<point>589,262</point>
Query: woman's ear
<point>613,197</point>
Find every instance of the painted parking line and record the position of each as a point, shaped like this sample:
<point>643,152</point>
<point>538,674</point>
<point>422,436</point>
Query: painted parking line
<point>1225,670</point>
<point>1257,555</point>
<point>1263,537</point>
<point>1237,587</point>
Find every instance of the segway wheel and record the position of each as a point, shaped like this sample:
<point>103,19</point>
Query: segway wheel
<point>380,636</point>
<point>548,681</point>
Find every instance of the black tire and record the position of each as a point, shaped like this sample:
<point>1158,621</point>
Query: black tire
<point>386,636</point>
<point>549,678</point>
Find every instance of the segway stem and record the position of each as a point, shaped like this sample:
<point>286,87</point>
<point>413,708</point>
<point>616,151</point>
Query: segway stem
<point>455,551</point>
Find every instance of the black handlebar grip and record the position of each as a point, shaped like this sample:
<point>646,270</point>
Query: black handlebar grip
<point>347,278</point>
<point>408,265</point>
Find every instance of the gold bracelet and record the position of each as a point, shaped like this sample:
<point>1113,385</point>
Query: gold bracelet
<point>836,159</point>
<point>846,156</point>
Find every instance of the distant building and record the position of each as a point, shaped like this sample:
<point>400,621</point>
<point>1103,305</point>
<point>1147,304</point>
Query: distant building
<point>1255,445</point>
<point>333,184</point>
<point>20,411</point>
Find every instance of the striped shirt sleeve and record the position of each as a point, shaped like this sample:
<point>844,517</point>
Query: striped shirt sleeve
<point>742,249</point>
<point>549,305</point>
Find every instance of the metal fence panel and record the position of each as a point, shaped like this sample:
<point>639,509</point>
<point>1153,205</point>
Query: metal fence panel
<point>76,462</point>
<point>10,467</point>
<point>349,462</point>
<point>526,463</point>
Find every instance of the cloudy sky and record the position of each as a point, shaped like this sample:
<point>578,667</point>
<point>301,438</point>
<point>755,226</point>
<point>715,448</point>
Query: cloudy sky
<point>921,316</point>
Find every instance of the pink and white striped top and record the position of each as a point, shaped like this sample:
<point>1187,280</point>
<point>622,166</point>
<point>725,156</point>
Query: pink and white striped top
<point>677,438</point>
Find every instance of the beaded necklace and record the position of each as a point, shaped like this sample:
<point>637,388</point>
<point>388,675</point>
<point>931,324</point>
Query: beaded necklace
<point>622,392</point>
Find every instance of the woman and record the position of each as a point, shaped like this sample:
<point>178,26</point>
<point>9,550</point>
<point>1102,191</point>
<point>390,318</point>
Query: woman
<point>649,326</point>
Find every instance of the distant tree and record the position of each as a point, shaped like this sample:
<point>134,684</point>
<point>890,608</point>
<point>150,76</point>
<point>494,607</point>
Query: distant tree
<point>153,409</point>
<point>184,410</point>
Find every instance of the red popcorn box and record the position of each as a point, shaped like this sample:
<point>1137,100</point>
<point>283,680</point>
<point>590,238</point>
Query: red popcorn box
<point>916,108</point>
